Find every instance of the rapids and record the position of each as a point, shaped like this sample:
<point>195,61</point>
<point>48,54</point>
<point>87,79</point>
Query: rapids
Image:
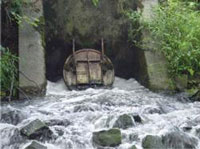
<point>97,109</point>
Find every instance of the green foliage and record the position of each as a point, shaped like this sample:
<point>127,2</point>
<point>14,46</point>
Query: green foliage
<point>8,72</point>
<point>14,11</point>
<point>95,2</point>
<point>176,27</point>
<point>135,28</point>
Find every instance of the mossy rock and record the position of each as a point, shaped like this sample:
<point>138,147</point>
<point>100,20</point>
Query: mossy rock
<point>109,138</point>
<point>124,121</point>
<point>37,130</point>
<point>152,142</point>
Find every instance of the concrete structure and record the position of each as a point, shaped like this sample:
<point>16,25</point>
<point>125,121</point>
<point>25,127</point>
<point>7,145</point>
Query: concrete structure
<point>32,80</point>
<point>153,64</point>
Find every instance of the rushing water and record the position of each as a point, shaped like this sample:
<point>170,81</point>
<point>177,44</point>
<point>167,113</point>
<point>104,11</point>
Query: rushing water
<point>97,109</point>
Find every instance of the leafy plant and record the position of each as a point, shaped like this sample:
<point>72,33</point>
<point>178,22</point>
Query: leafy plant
<point>95,2</point>
<point>8,72</point>
<point>14,11</point>
<point>176,27</point>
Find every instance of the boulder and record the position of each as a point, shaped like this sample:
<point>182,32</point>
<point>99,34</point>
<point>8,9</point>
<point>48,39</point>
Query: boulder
<point>177,140</point>
<point>107,138</point>
<point>171,140</point>
<point>37,130</point>
<point>124,121</point>
<point>36,145</point>
<point>152,142</point>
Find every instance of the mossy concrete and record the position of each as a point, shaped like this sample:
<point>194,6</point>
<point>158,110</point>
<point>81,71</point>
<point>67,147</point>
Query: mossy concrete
<point>157,71</point>
<point>32,80</point>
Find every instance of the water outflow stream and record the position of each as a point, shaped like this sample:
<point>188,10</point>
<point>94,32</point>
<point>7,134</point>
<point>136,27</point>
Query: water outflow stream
<point>91,110</point>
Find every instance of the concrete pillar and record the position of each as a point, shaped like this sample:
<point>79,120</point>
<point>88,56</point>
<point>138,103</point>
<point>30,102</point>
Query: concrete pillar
<point>32,80</point>
<point>155,64</point>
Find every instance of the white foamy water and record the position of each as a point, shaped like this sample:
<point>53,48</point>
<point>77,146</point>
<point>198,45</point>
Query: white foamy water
<point>97,109</point>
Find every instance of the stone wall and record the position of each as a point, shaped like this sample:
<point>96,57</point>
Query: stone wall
<point>32,80</point>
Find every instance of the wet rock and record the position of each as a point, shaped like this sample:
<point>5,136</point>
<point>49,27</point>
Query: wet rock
<point>177,140</point>
<point>37,130</point>
<point>36,145</point>
<point>11,116</point>
<point>109,138</point>
<point>152,142</point>
<point>81,108</point>
<point>124,121</point>
<point>172,140</point>
<point>137,118</point>
<point>10,138</point>
<point>57,122</point>
<point>133,147</point>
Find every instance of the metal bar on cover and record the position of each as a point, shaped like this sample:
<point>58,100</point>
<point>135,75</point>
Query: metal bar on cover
<point>102,46</point>
<point>73,42</point>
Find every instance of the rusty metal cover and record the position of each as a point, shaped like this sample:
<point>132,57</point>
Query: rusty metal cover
<point>88,67</point>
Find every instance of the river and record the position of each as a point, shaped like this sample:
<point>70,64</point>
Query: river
<point>97,109</point>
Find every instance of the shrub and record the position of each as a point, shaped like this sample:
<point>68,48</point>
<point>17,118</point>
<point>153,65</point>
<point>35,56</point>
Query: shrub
<point>176,26</point>
<point>8,72</point>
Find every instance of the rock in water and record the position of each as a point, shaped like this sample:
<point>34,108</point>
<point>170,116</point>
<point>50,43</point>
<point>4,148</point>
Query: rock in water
<point>110,138</point>
<point>124,121</point>
<point>36,145</point>
<point>152,142</point>
<point>171,140</point>
<point>179,140</point>
<point>37,130</point>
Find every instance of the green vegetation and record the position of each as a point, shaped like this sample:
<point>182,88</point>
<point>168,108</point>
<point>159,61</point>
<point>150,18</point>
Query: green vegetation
<point>176,27</point>
<point>8,73</point>
<point>14,11</point>
<point>95,2</point>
